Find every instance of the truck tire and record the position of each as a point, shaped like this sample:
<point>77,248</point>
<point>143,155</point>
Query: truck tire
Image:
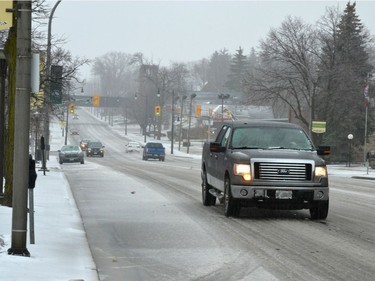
<point>207,198</point>
<point>231,205</point>
<point>320,210</point>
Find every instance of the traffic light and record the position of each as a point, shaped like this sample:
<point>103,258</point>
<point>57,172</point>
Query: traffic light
<point>157,110</point>
<point>96,101</point>
<point>198,110</point>
<point>72,107</point>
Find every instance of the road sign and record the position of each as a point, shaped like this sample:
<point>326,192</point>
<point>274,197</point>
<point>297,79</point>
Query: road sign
<point>6,18</point>
<point>318,127</point>
<point>56,84</point>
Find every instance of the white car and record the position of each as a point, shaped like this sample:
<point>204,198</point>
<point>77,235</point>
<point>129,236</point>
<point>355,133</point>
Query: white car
<point>133,146</point>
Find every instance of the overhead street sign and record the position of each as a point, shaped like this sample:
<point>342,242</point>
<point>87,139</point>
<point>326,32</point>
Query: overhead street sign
<point>98,101</point>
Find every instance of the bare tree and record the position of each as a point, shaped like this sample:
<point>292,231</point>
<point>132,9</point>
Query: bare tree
<point>199,73</point>
<point>287,70</point>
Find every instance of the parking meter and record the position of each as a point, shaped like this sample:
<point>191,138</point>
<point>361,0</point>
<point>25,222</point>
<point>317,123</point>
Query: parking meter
<point>32,172</point>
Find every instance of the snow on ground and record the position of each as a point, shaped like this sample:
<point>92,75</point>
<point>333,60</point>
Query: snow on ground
<point>61,251</point>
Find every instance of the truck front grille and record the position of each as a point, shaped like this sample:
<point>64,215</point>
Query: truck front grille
<point>274,171</point>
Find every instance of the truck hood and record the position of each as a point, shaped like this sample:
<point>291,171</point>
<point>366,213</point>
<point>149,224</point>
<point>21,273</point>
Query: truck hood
<point>277,154</point>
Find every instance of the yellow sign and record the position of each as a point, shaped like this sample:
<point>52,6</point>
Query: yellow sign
<point>96,101</point>
<point>318,127</point>
<point>6,18</point>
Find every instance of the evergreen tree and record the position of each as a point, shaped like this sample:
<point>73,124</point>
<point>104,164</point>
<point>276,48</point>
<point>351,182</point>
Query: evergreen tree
<point>238,69</point>
<point>218,69</point>
<point>252,61</point>
<point>344,71</point>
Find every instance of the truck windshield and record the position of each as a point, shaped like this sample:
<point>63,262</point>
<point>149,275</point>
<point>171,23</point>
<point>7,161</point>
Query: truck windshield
<point>271,138</point>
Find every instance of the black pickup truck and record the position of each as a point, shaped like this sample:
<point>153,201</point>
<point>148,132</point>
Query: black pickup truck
<point>265,164</point>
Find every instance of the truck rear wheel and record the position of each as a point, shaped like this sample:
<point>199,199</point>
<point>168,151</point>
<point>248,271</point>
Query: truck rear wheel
<point>231,205</point>
<point>207,198</point>
<point>320,210</point>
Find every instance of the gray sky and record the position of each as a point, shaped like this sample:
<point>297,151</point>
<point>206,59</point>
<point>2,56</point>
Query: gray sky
<point>180,31</point>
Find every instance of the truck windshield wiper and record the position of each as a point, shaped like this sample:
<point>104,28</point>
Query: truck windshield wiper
<point>246,147</point>
<point>291,148</point>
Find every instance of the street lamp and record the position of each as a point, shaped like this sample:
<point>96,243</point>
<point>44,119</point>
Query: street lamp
<point>48,76</point>
<point>350,137</point>
<point>192,96</point>
<point>223,97</point>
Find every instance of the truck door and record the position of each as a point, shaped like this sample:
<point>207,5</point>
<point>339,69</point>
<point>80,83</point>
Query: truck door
<point>219,160</point>
<point>211,158</point>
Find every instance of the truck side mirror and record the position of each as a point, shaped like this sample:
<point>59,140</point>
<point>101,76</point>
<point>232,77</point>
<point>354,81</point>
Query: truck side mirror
<point>323,150</point>
<point>216,147</point>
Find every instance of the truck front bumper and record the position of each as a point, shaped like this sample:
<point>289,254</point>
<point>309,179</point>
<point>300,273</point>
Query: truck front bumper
<point>271,194</point>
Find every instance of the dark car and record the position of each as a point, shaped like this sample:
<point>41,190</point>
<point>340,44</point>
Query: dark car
<point>71,154</point>
<point>95,148</point>
<point>154,150</point>
<point>83,144</point>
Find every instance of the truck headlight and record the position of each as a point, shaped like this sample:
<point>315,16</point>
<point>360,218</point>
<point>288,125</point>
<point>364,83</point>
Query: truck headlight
<point>242,170</point>
<point>320,172</point>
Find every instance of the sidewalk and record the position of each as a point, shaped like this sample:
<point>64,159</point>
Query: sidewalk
<point>61,251</point>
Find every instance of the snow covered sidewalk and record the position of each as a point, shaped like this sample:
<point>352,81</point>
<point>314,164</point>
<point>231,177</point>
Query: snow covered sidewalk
<point>61,251</point>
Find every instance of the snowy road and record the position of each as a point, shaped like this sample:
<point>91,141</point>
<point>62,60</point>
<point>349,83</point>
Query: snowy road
<point>145,221</point>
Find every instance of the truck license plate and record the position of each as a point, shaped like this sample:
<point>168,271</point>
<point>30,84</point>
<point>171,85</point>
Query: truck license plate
<point>284,194</point>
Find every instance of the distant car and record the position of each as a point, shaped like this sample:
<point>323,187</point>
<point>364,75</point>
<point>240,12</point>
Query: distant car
<point>75,116</point>
<point>74,132</point>
<point>71,154</point>
<point>83,144</point>
<point>133,146</point>
<point>154,150</point>
<point>95,148</point>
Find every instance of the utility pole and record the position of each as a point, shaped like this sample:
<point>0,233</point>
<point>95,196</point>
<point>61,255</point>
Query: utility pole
<point>180,134</point>
<point>192,96</point>
<point>3,71</point>
<point>22,126</point>
<point>67,122</point>
<point>172,130</point>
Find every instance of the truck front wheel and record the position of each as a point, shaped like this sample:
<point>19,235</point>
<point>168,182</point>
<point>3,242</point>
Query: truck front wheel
<point>231,205</point>
<point>320,210</point>
<point>207,198</point>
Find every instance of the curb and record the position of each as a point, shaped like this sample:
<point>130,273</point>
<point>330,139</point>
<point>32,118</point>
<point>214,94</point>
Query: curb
<point>363,178</point>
